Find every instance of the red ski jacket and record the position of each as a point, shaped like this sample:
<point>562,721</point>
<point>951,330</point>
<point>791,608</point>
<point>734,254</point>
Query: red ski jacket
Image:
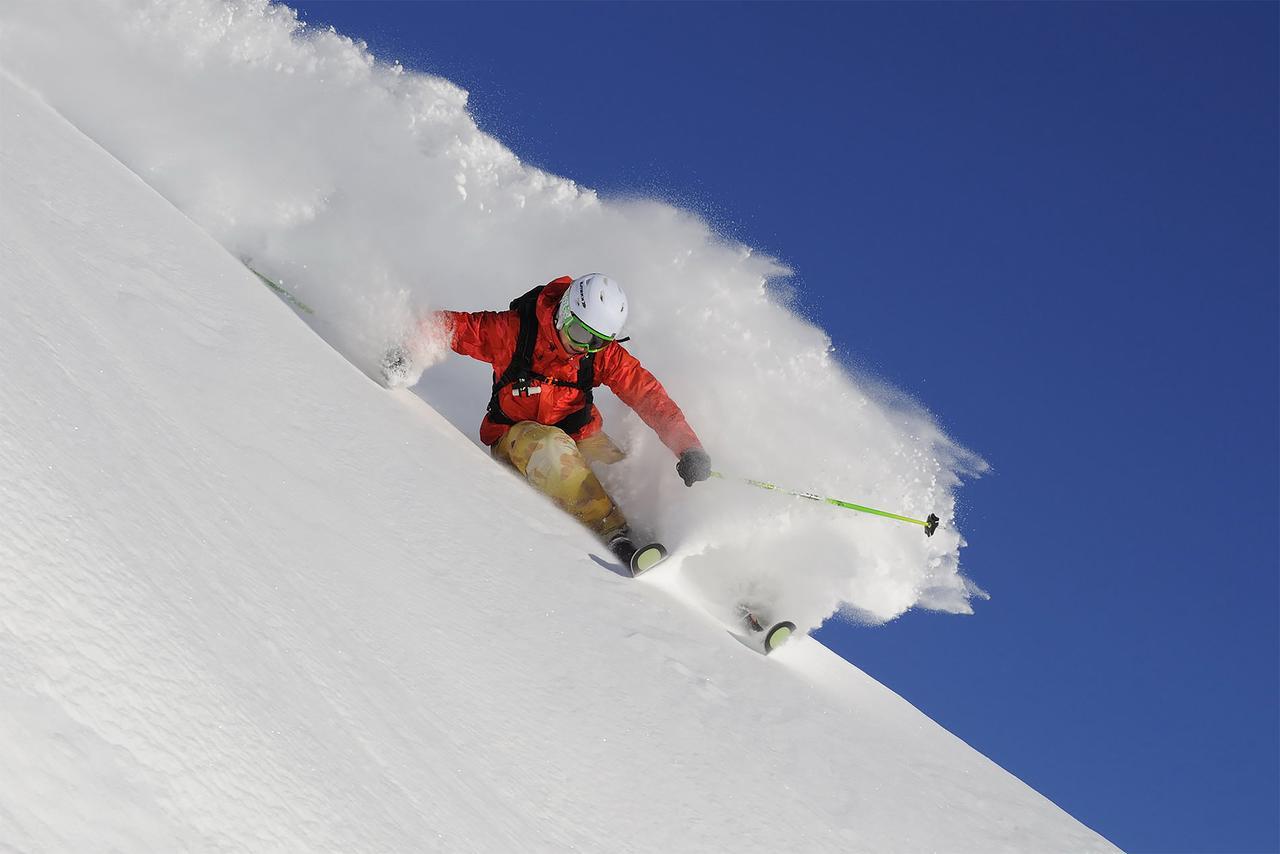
<point>490,336</point>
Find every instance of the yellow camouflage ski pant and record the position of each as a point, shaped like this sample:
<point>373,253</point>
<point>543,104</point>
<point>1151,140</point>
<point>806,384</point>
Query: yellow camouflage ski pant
<point>560,468</point>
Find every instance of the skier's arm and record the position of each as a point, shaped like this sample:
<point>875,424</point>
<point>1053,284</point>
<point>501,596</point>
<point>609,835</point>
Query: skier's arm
<point>640,390</point>
<point>483,335</point>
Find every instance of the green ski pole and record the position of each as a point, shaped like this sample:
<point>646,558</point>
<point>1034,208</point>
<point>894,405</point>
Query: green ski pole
<point>279,290</point>
<point>930,524</point>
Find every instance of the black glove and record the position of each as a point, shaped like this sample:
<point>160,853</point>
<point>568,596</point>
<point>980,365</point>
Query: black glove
<point>694,466</point>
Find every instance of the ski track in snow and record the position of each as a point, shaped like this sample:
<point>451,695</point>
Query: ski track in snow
<point>251,601</point>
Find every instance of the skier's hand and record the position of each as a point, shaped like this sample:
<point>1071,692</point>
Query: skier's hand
<point>396,365</point>
<point>694,466</point>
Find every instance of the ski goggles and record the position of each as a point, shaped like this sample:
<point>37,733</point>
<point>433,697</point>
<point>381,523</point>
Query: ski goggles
<point>583,337</point>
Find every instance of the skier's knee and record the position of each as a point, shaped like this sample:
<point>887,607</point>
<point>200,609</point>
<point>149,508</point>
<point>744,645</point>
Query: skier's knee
<point>554,458</point>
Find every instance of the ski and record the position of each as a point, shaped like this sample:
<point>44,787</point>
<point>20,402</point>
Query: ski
<point>646,558</point>
<point>754,630</point>
<point>763,634</point>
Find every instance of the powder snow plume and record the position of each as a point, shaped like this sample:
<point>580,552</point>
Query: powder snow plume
<point>369,191</point>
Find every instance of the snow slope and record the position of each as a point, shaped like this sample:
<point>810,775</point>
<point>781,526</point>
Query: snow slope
<point>249,601</point>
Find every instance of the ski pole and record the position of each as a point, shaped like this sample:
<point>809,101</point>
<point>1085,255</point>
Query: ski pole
<point>279,290</point>
<point>930,523</point>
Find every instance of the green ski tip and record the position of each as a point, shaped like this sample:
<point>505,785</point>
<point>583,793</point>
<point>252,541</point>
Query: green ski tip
<point>647,558</point>
<point>778,635</point>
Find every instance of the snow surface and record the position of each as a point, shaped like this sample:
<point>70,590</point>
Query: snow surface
<point>250,601</point>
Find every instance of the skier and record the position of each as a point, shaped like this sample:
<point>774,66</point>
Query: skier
<point>548,351</point>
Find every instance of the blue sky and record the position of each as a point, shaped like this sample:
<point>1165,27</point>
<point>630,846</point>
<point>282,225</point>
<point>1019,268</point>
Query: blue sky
<point>1056,226</point>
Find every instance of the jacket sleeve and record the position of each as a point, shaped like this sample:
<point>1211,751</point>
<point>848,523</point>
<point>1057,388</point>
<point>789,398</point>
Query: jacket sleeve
<point>640,390</point>
<point>484,335</point>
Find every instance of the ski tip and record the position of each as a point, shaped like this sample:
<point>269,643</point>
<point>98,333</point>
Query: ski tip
<point>778,635</point>
<point>647,557</point>
<point>930,524</point>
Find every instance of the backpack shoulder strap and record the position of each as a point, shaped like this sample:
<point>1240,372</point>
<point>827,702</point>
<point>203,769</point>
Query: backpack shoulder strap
<point>520,368</point>
<point>521,364</point>
<point>587,374</point>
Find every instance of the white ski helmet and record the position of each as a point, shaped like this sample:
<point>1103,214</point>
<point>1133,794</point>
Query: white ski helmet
<point>597,302</point>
